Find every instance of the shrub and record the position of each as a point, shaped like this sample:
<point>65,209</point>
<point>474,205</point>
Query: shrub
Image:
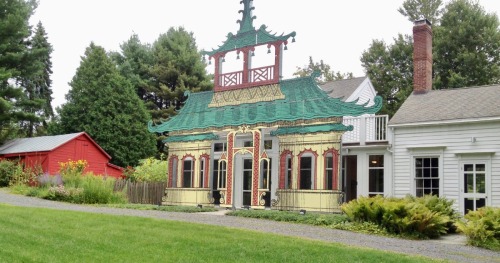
<point>408,216</point>
<point>7,170</point>
<point>26,176</point>
<point>482,227</point>
<point>285,216</point>
<point>149,170</point>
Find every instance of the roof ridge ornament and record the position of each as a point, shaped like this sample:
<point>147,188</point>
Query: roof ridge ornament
<point>246,22</point>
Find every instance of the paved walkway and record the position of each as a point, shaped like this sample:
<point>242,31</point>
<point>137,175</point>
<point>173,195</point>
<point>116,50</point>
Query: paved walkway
<point>451,248</point>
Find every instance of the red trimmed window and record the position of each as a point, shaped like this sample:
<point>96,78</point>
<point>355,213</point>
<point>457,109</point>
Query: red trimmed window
<point>187,172</point>
<point>307,170</point>
<point>202,177</point>
<point>331,169</point>
<point>172,173</point>
<point>286,170</point>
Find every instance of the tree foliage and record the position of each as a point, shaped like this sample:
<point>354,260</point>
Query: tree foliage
<point>163,71</point>
<point>390,68</point>
<point>466,47</point>
<point>418,9</point>
<point>326,73</point>
<point>466,52</point>
<point>15,61</point>
<point>36,83</point>
<point>103,103</point>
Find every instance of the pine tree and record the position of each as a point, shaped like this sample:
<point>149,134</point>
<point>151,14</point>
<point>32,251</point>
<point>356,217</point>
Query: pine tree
<point>103,103</point>
<point>36,83</point>
<point>14,57</point>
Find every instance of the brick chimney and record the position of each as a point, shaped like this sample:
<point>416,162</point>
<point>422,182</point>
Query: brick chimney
<point>422,56</point>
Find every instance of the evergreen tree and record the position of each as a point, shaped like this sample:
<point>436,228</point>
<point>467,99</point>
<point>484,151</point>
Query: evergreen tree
<point>177,67</point>
<point>161,73</point>
<point>14,57</point>
<point>326,73</point>
<point>37,85</point>
<point>103,103</point>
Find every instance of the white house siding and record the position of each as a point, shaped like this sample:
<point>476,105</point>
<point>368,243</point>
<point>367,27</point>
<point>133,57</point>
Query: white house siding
<point>453,143</point>
<point>364,93</point>
<point>363,154</point>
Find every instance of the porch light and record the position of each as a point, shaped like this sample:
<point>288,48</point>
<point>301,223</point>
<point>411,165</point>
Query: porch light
<point>209,62</point>
<point>238,56</point>
<point>253,53</point>
<point>268,51</point>
<point>286,47</point>
<point>302,212</point>
<point>223,59</point>
<point>293,40</point>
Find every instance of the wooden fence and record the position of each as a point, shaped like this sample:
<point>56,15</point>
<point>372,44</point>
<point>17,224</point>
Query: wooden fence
<point>142,192</point>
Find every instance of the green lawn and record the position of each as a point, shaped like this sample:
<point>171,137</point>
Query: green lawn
<point>45,235</point>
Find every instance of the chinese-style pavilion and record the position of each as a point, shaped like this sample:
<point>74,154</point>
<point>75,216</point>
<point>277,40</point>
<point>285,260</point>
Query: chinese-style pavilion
<point>256,140</point>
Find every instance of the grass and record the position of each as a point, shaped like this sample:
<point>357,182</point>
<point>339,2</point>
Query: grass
<point>183,209</point>
<point>45,235</point>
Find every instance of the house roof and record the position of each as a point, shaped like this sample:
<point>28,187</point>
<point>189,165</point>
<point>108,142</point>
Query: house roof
<point>304,100</point>
<point>450,104</point>
<point>343,88</point>
<point>42,144</point>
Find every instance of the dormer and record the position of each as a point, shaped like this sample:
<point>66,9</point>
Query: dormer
<point>244,43</point>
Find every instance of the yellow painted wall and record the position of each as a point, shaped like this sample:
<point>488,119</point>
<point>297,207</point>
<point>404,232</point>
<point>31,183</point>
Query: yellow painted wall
<point>318,143</point>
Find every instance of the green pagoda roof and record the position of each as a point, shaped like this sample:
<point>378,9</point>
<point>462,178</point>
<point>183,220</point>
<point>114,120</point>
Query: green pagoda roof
<point>192,137</point>
<point>247,35</point>
<point>303,129</point>
<point>304,100</point>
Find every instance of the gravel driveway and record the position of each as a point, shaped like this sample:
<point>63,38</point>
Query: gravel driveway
<point>451,248</point>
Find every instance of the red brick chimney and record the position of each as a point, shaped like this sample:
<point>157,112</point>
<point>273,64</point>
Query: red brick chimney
<point>422,56</point>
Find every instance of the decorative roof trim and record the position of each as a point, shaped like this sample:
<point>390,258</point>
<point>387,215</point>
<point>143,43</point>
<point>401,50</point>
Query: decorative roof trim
<point>248,95</point>
<point>192,137</point>
<point>311,129</point>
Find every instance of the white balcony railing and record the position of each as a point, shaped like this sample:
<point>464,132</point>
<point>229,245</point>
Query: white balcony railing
<point>367,129</point>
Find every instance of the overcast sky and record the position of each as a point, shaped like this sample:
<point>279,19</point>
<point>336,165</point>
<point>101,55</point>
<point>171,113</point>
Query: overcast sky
<point>336,32</point>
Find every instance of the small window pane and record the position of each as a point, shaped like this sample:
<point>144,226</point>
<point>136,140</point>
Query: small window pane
<point>268,144</point>
<point>480,167</point>
<point>248,144</point>
<point>376,161</point>
<point>480,183</point>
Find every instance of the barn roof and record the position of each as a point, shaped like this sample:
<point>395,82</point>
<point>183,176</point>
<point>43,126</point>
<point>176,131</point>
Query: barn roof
<point>41,144</point>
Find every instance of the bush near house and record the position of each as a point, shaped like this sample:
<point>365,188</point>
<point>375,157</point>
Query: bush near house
<point>424,217</point>
<point>148,170</point>
<point>482,227</point>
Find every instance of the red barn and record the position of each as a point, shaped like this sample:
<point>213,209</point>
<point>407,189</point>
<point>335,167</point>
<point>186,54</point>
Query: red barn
<point>49,151</point>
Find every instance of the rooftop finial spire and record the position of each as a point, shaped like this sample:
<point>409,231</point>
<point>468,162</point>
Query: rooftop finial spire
<point>246,23</point>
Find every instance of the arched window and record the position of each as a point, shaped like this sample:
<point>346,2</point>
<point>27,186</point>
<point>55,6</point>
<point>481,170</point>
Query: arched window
<point>187,172</point>
<point>331,169</point>
<point>202,175</point>
<point>307,170</point>
<point>265,174</point>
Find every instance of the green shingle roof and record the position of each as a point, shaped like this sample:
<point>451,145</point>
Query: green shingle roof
<point>312,129</point>
<point>192,137</point>
<point>304,100</point>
